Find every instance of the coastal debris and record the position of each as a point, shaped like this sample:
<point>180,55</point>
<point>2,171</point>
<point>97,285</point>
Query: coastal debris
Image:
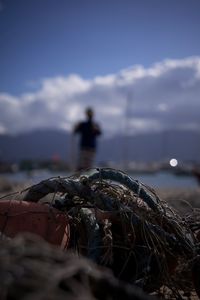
<point>121,224</point>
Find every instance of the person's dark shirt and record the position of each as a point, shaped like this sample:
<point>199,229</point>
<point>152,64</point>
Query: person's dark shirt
<point>88,131</point>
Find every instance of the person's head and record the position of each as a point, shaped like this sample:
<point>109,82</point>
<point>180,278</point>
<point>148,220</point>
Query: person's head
<point>89,113</point>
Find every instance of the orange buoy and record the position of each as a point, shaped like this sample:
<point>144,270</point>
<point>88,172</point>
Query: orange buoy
<point>41,219</point>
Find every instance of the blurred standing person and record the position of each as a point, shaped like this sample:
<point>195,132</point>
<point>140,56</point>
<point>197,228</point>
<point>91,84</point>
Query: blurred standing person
<point>88,130</point>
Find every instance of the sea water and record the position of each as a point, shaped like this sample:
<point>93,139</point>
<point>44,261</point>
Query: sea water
<point>155,180</point>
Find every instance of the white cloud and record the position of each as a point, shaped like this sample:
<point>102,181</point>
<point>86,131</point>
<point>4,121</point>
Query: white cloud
<point>161,96</point>
<point>141,124</point>
<point>2,129</point>
<point>162,107</point>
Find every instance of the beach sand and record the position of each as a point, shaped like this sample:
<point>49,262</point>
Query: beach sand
<point>182,199</point>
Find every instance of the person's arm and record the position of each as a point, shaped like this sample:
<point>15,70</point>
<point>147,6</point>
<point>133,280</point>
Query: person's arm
<point>97,129</point>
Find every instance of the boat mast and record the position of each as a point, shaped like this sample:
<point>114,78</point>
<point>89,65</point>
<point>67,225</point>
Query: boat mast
<point>127,118</point>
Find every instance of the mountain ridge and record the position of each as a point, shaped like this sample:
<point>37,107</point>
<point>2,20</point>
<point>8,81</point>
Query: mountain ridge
<point>45,143</point>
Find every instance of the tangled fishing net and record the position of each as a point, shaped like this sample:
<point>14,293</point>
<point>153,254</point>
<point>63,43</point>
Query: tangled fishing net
<point>121,224</point>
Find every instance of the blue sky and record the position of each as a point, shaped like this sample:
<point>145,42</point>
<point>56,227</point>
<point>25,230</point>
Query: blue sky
<point>73,53</point>
<point>45,38</point>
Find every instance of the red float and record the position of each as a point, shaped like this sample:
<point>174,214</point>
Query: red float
<point>40,219</point>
